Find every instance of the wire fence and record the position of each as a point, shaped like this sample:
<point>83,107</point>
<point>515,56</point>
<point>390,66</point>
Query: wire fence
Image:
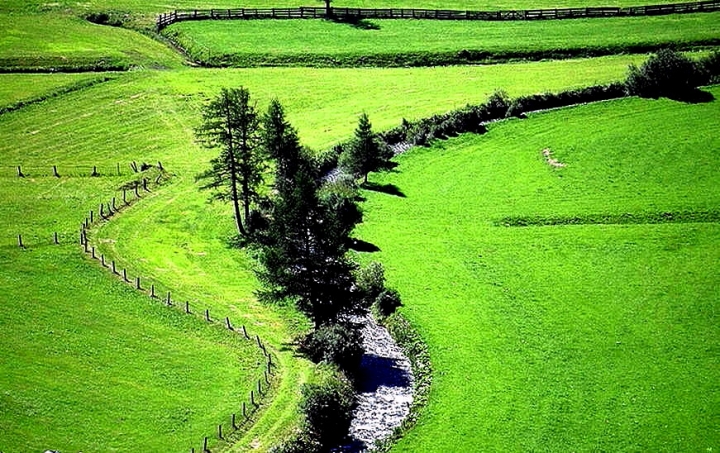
<point>130,194</point>
<point>311,12</point>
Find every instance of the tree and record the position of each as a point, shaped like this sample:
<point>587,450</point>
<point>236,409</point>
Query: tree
<point>282,144</point>
<point>303,258</point>
<point>667,73</point>
<point>366,153</point>
<point>231,123</point>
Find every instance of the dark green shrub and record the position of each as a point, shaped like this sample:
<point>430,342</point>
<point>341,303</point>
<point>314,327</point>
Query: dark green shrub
<point>710,68</point>
<point>667,73</point>
<point>336,344</point>
<point>370,281</point>
<point>302,442</point>
<point>387,302</point>
<point>497,105</point>
<point>327,407</point>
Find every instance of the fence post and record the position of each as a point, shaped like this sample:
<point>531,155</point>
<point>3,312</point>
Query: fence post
<point>92,217</point>
<point>93,252</point>
<point>152,290</point>
<point>113,204</point>
<point>259,388</point>
<point>137,195</point>
<point>102,260</point>
<point>118,168</point>
<point>168,301</point>
<point>207,314</point>
<point>244,410</point>
<point>114,270</point>
<point>220,436</point>
<point>125,275</point>
<point>227,323</point>
<point>205,445</point>
<point>233,421</point>
<point>55,172</point>
<point>55,237</point>
<point>94,172</point>
<point>137,283</point>
<point>187,307</point>
<point>245,332</point>
<point>252,397</point>
<point>20,242</point>
<point>145,185</point>
<point>20,173</point>
<point>102,210</point>
<point>125,196</point>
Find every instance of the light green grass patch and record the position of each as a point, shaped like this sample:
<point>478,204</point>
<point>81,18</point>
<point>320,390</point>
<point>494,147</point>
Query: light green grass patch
<point>26,87</point>
<point>44,41</point>
<point>594,337</point>
<point>228,41</point>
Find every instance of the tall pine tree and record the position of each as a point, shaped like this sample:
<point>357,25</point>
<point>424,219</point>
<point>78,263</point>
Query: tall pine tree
<point>231,124</point>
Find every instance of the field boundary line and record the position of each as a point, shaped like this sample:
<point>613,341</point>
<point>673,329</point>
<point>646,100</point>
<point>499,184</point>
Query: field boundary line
<point>355,14</point>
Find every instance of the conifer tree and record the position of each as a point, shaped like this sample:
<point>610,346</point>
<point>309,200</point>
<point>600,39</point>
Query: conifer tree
<point>231,123</point>
<point>366,153</point>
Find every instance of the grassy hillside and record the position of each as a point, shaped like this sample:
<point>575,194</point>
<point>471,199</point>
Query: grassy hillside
<point>150,7</point>
<point>320,42</point>
<point>175,237</point>
<point>41,41</point>
<point>562,338</point>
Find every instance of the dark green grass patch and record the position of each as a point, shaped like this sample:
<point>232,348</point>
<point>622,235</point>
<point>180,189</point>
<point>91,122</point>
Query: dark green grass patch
<point>578,337</point>
<point>406,43</point>
<point>44,42</point>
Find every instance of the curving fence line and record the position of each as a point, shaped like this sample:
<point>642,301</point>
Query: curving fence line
<point>353,14</point>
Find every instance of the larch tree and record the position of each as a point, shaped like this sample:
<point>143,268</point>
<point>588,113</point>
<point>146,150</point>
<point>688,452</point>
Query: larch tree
<point>232,125</point>
<point>366,152</point>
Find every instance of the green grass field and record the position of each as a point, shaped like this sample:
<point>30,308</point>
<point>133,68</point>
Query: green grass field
<point>174,237</point>
<point>16,88</point>
<point>151,7</point>
<point>243,43</point>
<point>44,40</point>
<point>562,338</point>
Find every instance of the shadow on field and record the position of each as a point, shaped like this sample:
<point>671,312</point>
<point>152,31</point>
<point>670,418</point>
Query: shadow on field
<point>356,22</point>
<point>362,246</point>
<point>695,96</point>
<point>376,371</point>
<point>390,189</point>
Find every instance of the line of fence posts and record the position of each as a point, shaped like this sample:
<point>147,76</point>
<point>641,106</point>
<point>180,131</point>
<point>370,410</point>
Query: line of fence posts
<point>307,12</point>
<point>90,249</point>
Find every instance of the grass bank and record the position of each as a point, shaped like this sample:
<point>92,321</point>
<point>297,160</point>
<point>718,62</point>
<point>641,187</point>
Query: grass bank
<point>561,337</point>
<point>405,42</point>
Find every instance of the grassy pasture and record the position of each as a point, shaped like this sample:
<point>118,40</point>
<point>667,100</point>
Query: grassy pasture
<point>175,237</point>
<point>16,88</point>
<point>88,363</point>
<point>263,42</point>
<point>562,338</point>
<point>42,40</point>
<point>152,7</point>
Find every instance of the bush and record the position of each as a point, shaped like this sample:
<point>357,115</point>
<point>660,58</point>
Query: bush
<point>336,344</point>
<point>667,73</point>
<point>302,442</point>
<point>710,68</point>
<point>387,302</point>
<point>327,407</point>
<point>370,281</point>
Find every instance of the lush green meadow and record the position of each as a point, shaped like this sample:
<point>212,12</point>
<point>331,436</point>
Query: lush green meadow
<point>43,40</point>
<point>562,338</point>
<point>283,42</point>
<point>174,237</point>
<point>149,8</point>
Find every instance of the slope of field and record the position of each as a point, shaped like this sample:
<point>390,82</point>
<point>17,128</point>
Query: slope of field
<point>151,7</point>
<point>175,237</point>
<point>87,363</point>
<point>320,42</point>
<point>16,88</point>
<point>41,41</point>
<point>562,338</point>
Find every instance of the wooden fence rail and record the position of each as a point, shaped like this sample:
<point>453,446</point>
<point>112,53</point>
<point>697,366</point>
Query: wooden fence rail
<point>311,12</point>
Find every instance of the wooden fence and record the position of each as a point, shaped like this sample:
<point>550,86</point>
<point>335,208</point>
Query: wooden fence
<point>311,12</point>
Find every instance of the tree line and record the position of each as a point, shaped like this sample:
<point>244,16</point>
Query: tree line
<point>298,225</point>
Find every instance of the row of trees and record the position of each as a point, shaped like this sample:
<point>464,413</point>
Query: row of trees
<point>299,227</point>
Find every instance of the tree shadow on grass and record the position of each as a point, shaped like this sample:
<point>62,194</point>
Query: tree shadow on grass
<point>356,22</point>
<point>390,189</point>
<point>695,96</point>
<point>362,246</point>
